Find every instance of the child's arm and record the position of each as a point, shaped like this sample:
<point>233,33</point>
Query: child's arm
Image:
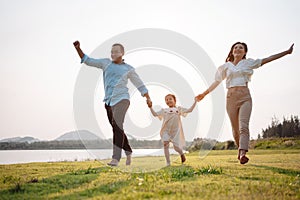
<point>192,107</point>
<point>153,112</point>
<point>158,114</point>
<point>185,111</point>
<point>149,102</point>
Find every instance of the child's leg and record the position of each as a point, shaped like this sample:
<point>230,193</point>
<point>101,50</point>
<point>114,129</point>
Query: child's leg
<point>167,153</point>
<point>179,150</point>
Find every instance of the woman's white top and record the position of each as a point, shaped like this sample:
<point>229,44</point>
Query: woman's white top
<point>237,75</point>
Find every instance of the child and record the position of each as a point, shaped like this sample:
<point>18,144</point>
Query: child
<point>171,130</point>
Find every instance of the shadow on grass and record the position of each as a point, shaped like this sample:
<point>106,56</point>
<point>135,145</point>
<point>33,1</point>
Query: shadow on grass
<point>141,180</point>
<point>288,172</point>
<point>168,174</point>
<point>179,173</point>
<point>109,188</point>
<point>62,186</point>
<point>251,178</point>
<point>41,189</point>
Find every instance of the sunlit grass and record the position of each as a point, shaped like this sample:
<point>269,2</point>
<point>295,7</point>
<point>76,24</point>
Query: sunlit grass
<point>270,174</point>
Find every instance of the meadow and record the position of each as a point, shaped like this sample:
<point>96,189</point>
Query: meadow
<point>270,174</point>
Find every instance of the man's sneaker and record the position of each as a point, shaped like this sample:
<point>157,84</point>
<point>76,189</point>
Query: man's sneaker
<point>128,159</point>
<point>183,158</point>
<point>113,162</point>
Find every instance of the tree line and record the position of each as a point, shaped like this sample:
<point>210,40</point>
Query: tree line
<point>289,127</point>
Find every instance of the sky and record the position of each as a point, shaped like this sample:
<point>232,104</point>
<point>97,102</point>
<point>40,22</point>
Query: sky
<point>39,65</point>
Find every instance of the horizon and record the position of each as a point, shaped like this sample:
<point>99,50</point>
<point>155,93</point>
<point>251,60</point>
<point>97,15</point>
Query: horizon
<point>40,140</point>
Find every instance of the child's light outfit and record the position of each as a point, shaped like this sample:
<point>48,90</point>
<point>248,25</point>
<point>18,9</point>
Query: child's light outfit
<point>171,130</point>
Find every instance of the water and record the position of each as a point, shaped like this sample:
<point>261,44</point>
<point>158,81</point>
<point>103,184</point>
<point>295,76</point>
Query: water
<point>28,156</point>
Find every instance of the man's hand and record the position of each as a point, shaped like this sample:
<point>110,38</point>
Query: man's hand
<point>290,50</point>
<point>76,44</point>
<point>148,101</point>
<point>77,47</point>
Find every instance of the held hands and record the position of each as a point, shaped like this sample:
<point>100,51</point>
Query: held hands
<point>149,103</point>
<point>199,97</point>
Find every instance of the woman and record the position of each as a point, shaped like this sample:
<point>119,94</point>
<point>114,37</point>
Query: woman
<point>238,70</point>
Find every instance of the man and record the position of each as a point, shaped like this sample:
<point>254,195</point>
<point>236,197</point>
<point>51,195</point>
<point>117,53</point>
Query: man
<point>115,78</point>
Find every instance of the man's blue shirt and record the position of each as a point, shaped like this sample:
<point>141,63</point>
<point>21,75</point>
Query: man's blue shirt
<point>115,79</point>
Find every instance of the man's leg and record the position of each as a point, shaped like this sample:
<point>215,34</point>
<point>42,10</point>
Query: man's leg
<point>120,140</point>
<point>109,113</point>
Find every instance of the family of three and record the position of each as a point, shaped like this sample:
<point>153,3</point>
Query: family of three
<point>237,70</point>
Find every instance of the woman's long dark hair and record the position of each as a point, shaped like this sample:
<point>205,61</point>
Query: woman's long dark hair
<point>230,55</point>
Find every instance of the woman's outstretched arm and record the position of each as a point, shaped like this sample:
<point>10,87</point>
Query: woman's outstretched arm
<point>210,89</point>
<point>277,56</point>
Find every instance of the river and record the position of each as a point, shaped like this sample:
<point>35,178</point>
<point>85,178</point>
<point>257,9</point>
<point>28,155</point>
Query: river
<point>28,156</point>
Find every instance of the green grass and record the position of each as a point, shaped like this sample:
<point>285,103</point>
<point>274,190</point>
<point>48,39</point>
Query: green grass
<point>270,174</point>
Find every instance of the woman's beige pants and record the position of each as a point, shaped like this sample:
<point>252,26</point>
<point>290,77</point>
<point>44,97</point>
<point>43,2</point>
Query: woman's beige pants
<point>239,106</point>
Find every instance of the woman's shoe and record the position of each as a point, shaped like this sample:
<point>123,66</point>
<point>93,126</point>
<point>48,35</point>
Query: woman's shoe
<point>244,159</point>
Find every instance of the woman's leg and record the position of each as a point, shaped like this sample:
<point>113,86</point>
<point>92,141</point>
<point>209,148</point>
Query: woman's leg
<point>239,106</point>
<point>233,114</point>
<point>244,118</point>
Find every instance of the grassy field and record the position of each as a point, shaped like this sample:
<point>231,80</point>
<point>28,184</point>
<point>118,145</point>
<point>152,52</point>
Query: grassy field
<point>270,174</point>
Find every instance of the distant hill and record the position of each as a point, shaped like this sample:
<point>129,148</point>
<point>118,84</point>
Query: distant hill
<point>21,139</point>
<point>78,135</point>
